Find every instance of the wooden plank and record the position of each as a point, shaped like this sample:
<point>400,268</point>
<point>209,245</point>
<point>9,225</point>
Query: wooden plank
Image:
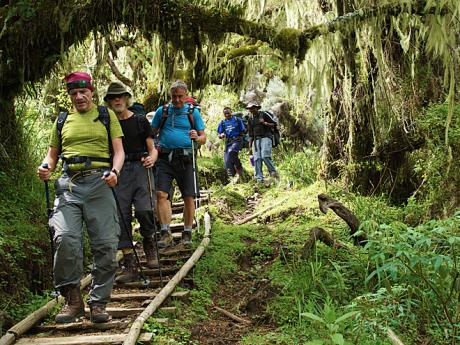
<point>144,295</point>
<point>168,310</point>
<point>117,312</point>
<point>164,270</point>
<point>83,339</point>
<point>174,251</point>
<point>152,283</point>
<point>84,325</point>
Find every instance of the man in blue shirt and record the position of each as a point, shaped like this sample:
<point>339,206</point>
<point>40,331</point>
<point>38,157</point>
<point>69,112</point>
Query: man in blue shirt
<point>180,128</point>
<point>233,129</point>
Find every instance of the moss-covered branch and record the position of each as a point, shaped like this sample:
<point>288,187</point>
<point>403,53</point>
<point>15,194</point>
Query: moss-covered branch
<point>33,39</point>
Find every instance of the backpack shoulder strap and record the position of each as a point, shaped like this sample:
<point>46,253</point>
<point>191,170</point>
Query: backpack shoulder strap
<point>191,107</point>
<point>60,124</point>
<point>164,116</point>
<point>104,117</point>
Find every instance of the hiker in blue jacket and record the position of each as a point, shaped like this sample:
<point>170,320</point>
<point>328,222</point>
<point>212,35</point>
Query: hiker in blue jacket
<point>232,129</point>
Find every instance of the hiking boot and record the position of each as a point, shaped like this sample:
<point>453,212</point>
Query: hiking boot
<point>187,238</point>
<point>275,175</point>
<point>166,239</point>
<point>151,254</point>
<point>98,313</point>
<point>130,271</point>
<point>73,307</point>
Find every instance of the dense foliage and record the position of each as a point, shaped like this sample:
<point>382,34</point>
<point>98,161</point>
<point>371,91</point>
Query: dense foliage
<point>369,105</point>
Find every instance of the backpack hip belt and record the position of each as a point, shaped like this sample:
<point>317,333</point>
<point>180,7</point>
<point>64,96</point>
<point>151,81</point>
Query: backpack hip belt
<point>81,160</point>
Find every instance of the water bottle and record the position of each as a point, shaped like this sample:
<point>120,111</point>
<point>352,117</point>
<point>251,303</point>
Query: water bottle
<point>251,159</point>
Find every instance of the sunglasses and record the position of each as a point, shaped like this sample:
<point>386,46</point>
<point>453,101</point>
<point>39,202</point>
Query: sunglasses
<point>112,97</point>
<point>80,84</point>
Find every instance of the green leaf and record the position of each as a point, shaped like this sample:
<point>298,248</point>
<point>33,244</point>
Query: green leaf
<point>337,339</point>
<point>313,317</point>
<point>315,342</point>
<point>346,316</point>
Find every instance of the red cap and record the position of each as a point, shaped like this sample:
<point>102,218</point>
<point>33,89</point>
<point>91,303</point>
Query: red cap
<point>78,80</point>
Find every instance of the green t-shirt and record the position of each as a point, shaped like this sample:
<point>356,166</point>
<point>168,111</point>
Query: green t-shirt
<point>83,135</point>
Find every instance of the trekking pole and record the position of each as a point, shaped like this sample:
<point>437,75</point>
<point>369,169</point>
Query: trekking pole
<point>146,282</point>
<point>195,187</point>
<point>49,211</point>
<point>149,182</point>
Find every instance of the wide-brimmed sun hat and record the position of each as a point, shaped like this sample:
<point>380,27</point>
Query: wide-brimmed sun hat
<point>115,89</point>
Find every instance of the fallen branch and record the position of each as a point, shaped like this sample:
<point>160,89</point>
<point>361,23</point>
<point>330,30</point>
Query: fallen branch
<point>257,214</point>
<point>232,316</point>
<point>326,202</point>
<point>319,234</point>
<point>393,337</point>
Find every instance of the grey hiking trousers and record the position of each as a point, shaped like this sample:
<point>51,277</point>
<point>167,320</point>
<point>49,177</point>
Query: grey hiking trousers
<point>89,200</point>
<point>133,189</point>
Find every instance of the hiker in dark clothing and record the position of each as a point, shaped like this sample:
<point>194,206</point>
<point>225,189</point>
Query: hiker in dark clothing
<point>261,126</point>
<point>232,128</point>
<point>132,188</point>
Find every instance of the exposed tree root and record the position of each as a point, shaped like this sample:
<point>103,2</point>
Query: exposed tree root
<point>326,202</point>
<point>319,234</point>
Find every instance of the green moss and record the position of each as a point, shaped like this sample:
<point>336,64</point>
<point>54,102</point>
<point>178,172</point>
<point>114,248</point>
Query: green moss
<point>287,40</point>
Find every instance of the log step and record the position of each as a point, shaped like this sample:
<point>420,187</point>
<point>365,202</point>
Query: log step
<point>169,261</point>
<point>152,284</point>
<point>143,296</point>
<point>83,325</point>
<point>83,340</point>
<point>117,312</point>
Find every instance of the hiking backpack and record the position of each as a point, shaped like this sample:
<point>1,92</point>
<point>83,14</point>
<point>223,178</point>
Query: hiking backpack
<point>191,107</point>
<point>276,135</point>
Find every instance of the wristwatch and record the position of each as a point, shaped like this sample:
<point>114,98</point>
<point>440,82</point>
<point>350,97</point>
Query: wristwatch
<point>116,172</point>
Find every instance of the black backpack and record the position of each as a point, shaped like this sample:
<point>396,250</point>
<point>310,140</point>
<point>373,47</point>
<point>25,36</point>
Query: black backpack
<point>276,135</point>
<point>137,108</point>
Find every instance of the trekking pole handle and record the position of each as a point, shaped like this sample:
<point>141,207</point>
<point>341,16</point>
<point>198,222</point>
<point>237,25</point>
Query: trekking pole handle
<point>106,173</point>
<point>47,192</point>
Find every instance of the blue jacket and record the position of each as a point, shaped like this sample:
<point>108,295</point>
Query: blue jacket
<point>232,128</point>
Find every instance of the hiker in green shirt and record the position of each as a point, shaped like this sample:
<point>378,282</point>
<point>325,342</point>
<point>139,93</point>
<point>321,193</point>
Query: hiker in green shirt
<point>88,140</point>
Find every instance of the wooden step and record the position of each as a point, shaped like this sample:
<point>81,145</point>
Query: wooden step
<point>119,312</point>
<point>153,283</point>
<point>143,295</point>
<point>164,270</point>
<point>169,260</point>
<point>83,339</point>
<point>174,251</point>
<point>83,325</point>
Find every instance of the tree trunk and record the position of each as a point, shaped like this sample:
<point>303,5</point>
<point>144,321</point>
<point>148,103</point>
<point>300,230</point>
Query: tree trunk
<point>10,132</point>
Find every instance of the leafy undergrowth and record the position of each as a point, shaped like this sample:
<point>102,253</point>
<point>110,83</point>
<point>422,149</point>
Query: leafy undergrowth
<point>24,246</point>
<point>405,279</point>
